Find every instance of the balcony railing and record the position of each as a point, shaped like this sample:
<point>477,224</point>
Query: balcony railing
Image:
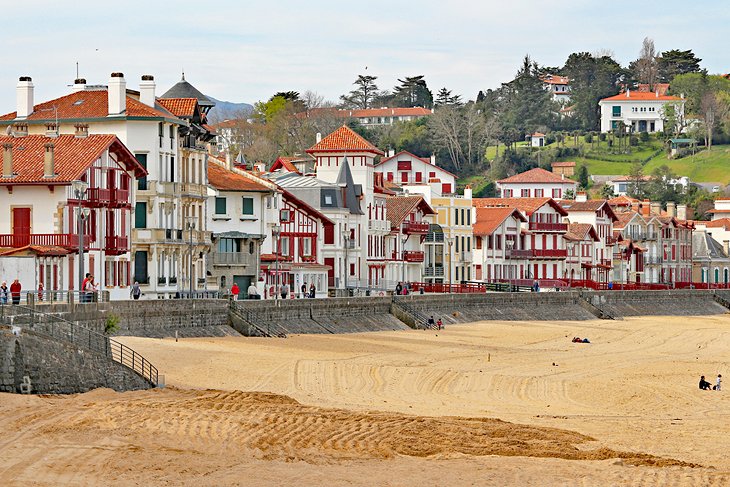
<point>548,227</point>
<point>519,254</point>
<point>415,227</point>
<point>116,245</point>
<point>379,225</point>
<point>434,271</point>
<point>98,197</point>
<point>119,198</point>
<point>611,240</point>
<point>234,258</point>
<point>537,254</point>
<point>65,240</point>
<point>413,256</point>
<point>435,238</point>
<point>465,256</point>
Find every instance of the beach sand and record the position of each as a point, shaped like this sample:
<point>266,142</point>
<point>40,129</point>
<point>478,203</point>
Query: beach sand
<point>476,404</point>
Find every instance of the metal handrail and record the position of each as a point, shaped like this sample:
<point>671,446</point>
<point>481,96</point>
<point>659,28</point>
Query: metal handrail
<point>61,329</point>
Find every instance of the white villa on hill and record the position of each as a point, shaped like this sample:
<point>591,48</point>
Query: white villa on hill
<point>642,111</point>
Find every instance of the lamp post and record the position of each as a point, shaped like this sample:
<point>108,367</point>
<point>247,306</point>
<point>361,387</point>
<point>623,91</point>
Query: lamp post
<point>450,241</point>
<point>276,233</point>
<point>190,224</point>
<point>404,239</point>
<point>79,188</point>
<point>346,241</point>
<point>509,244</point>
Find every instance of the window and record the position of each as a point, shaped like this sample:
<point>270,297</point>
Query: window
<point>539,193</point>
<point>251,248</point>
<point>161,132</point>
<point>507,193</point>
<point>284,245</point>
<point>247,206</point>
<point>142,182</point>
<point>306,246</point>
<point>616,111</point>
<point>525,193</point>
<point>468,217</point>
<point>557,193</point>
<point>140,215</point>
<point>456,216</point>
<point>220,206</point>
<point>226,245</point>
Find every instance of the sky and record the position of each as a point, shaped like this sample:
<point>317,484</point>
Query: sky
<point>244,51</point>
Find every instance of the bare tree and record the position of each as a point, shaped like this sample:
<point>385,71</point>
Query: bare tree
<point>709,107</point>
<point>647,66</point>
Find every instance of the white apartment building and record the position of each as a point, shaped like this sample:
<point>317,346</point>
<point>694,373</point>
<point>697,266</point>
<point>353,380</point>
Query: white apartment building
<point>535,183</point>
<point>407,169</point>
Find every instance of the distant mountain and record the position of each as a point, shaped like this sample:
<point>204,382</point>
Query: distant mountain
<point>225,110</point>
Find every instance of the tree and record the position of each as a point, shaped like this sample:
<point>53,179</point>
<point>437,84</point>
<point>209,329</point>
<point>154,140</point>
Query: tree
<point>591,79</point>
<point>365,93</point>
<point>583,179</point>
<point>659,187</point>
<point>637,182</point>
<point>646,68</point>
<point>675,62</point>
<point>709,107</point>
<point>444,97</point>
<point>569,194</point>
<point>607,192</point>
<point>413,92</point>
<point>461,133</point>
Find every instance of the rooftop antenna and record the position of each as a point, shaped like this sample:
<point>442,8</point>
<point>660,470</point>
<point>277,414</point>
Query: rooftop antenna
<point>183,74</point>
<point>77,70</point>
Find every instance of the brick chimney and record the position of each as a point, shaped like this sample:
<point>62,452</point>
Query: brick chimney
<point>79,84</point>
<point>672,208</point>
<point>7,160</point>
<point>20,129</point>
<point>117,94</point>
<point>24,96</point>
<point>81,130</point>
<point>147,90</point>
<point>49,163</point>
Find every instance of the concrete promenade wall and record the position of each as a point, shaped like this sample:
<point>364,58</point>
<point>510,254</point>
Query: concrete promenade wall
<point>151,318</point>
<point>678,302</point>
<point>58,367</point>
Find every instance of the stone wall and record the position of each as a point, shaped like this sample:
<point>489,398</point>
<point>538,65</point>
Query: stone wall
<point>679,302</point>
<point>58,367</point>
<point>151,318</point>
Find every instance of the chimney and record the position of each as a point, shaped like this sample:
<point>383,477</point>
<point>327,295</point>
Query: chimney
<point>672,208</point>
<point>433,159</point>
<point>319,137</point>
<point>51,130</point>
<point>682,212</point>
<point>20,129</point>
<point>25,96</point>
<point>726,246</point>
<point>229,161</point>
<point>581,197</point>
<point>655,208</point>
<point>7,160</point>
<point>147,90</point>
<point>49,166</point>
<point>391,152</point>
<point>79,84</point>
<point>628,93</point>
<point>467,192</point>
<point>81,130</point>
<point>657,93</point>
<point>117,94</point>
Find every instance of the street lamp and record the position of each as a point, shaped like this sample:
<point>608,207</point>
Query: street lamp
<point>276,233</point>
<point>79,188</point>
<point>404,239</point>
<point>190,225</point>
<point>346,240</point>
<point>509,244</point>
<point>450,241</point>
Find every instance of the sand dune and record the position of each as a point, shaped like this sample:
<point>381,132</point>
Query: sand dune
<point>398,408</point>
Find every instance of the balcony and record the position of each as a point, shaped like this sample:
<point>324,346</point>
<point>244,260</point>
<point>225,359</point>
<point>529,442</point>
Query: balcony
<point>548,227</point>
<point>465,256</point>
<point>652,235</point>
<point>98,197</point>
<point>652,259</point>
<point>537,254</point>
<point>119,198</point>
<point>65,240</point>
<point>379,226</point>
<point>193,190</point>
<point>114,245</point>
<point>420,228</point>
<point>434,271</point>
<point>234,258</point>
<point>413,256</point>
<point>611,240</point>
<point>519,254</point>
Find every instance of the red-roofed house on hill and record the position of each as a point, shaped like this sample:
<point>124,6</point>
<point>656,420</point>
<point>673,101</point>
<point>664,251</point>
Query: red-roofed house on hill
<point>640,111</point>
<point>558,86</point>
<point>535,183</point>
<point>407,169</point>
<point>39,209</point>
<point>167,138</point>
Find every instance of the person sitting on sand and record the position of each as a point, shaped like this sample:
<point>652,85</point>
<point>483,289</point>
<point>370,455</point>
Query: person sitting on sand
<point>704,385</point>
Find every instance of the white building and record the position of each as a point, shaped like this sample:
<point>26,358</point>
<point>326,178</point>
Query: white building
<point>407,169</point>
<point>498,244</point>
<point>558,86</point>
<point>641,111</point>
<point>535,183</point>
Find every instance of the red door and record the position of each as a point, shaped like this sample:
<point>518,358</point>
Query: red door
<point>330,261</point>
<point>21,227</point>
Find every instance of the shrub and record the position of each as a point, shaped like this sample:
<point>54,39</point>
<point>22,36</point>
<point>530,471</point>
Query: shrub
<point>589,138</point>
<point>633,141</point>
<point>602,136</point>
<point>111,325</point>
<point>644,136</point>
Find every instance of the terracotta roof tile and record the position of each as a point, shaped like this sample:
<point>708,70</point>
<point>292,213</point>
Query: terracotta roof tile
<point>399,207</point>
<point>180,107</point>
<point>562,164</point>
<point>537,175</point>
<point>72,156</point>
<point>641,96</point>
<point>225,180</point>
<point>285,163</point>
<point>554,79</point>
<point>719,223</point>
<point>527,205</point>
<point>88,104</point>
<point>580,231</point>
<point>489,219</point>
<point>344,139</point>
<point>623,201</point>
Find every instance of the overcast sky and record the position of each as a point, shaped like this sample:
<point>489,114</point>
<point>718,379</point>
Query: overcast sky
<point>244,51</point>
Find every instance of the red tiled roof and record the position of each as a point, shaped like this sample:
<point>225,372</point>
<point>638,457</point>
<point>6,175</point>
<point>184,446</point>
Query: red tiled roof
<point>528,205</point>
<point>537,175</point>
<point>640,96</point>
<point>537,134</point>
<point>554,79</point>
<point>226,180</point>
<point>624,218</point>
<point>399,207</point>
<point>180,107</point>
<point>490,218</point>
<point>88,104</point>
<point>622,201</point>
<point>563,164</point>
<point>344,139</point>
<point>581,231</point>
<point>38,249</point>
<point>72,156</point>
<point>719,223</point>
<point>285,163</point>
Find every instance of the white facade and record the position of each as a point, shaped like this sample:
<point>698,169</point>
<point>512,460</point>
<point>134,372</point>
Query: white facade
<point>641,112</point>
<point>407,169</point>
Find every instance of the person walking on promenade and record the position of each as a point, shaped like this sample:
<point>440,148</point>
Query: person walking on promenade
<point>135,291</point>
<point>304,290</point>
<point>15,289</point>
<point>431,322</point>
<point>235,290</point>
<point>284,291</point>
<point>84,285</point>
<point>4,293</point>
<point>253,292</point>
<point>398,289</point>
<point>312,291</point>
<point>439,324</point>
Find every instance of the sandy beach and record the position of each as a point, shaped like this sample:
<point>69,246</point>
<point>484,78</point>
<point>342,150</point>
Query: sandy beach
<point>489,403</point>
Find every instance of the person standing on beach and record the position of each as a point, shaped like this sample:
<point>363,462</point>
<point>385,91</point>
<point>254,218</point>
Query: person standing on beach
<point>719,382</point>
<point>15,289</point>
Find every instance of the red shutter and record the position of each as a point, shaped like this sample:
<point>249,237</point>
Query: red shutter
<point>71,271</point>
<point>446,188</point>
<point>329,234</point>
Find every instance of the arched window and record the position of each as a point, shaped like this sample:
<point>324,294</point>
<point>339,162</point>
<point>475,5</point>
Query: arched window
<point>717,275</point>
<point>223,282</point>
<point>725,272</point>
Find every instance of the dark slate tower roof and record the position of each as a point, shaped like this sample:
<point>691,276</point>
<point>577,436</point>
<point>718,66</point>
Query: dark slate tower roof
<point>352,191</point>
<point>183,89</point>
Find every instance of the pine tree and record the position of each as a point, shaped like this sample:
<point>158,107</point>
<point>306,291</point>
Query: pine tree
<point>365,93</point>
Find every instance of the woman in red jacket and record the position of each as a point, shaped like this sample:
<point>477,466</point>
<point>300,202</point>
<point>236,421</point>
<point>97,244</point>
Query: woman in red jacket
<point>15,288</point>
